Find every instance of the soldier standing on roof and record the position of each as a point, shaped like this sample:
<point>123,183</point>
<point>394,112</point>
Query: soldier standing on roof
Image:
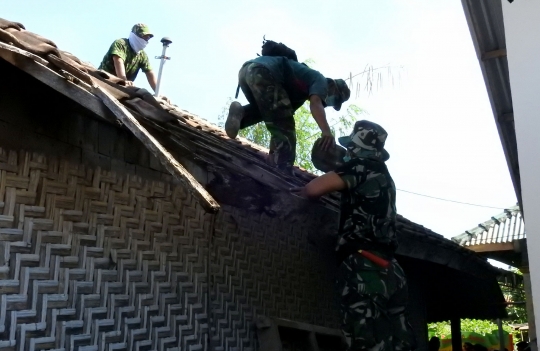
<point>126,56</point>
<point>371,283</point>
<point>275,87</point>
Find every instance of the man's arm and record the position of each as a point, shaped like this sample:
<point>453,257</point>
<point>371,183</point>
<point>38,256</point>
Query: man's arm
<point>317,111</point>
<point>120,69</point>
<point>152,80</point>
<point>325,184</point>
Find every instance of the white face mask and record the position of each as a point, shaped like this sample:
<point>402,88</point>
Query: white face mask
<point>137,43</point>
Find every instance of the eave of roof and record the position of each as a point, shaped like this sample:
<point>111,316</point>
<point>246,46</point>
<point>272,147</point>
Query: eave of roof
<point>505,227</point>
<point>485,21</point>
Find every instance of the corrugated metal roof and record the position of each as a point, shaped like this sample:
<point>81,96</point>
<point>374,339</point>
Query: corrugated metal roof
<point>485,20</point>
<point>503,228</point>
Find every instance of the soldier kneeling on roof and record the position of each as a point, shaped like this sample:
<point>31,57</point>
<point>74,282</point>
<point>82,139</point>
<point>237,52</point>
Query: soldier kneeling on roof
<point>276,85</point>
<point>371,283</point>
<point>126,56</point>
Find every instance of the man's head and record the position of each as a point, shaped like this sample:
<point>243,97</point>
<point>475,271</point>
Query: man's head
<point>434,344</point>
<point>522,345</point>
<point>367,141</point>
<point>338,93</point>
<point>142,31</point>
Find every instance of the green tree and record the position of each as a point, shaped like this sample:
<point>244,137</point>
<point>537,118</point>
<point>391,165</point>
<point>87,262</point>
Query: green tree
<point>517,312</point>
<point>467,325</point>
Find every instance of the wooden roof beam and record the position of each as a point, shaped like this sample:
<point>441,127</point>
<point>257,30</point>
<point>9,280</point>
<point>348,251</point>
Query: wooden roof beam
<point>495,247</point>
<point>167,160</point>
<point>506,117</point>
<point>103,103</point>
<point>37,68</point>
<point>488,55</point>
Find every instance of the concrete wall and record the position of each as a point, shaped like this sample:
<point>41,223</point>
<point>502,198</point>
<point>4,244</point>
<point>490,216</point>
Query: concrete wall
<point>522,27</point>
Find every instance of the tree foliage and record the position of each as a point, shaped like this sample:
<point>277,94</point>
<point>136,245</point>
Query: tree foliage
<point>517,313</point>
<point>467,325</point>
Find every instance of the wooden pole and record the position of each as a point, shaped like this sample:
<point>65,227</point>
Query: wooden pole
<point>501,335</point>
<point>166,159</point>
<point>455,329</point>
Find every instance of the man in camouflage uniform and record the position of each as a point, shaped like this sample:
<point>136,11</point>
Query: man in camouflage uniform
<point>371,282</point>
<point>126,56</point>
<point>275,88</point>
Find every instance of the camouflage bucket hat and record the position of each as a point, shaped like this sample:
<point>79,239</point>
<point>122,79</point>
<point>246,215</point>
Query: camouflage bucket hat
<point>339,89</point>
<point>141,29</point>
<point>366,136</point>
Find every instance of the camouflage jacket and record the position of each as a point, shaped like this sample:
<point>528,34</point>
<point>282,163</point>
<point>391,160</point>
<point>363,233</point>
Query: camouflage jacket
<point>132,61</point>
<point>368,207</point>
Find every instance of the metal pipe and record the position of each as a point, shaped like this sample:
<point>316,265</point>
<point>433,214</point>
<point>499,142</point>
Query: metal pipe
<point>166,42</point>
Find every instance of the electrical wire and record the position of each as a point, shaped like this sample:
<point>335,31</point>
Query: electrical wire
<point>458,202</point>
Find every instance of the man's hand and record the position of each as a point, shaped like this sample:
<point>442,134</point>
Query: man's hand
<point>320,186</point>
<point>299,191</point>
<point>327,141</point>
<point>128,83</point>
<point>317,111</point>
<point>270,160</point>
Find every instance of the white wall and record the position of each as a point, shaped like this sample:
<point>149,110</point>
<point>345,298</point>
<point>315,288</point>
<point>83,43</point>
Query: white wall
<point>522,27</point>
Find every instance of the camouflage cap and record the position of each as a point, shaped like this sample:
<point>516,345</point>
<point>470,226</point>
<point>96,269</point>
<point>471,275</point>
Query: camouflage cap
<point>340,90</point>
<point>141,29</point>
<point>366,140</point>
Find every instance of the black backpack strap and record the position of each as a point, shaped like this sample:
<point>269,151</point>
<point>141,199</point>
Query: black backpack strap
<point>237,91</point>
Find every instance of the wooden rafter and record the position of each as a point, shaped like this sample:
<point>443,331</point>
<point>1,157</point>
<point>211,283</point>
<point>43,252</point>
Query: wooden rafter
<point>166,159</point>
<point>494,247</point>
<point>37,68</point>
<point>493,54</point>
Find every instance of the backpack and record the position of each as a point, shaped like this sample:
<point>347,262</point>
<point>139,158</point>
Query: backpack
<point>271,48</point>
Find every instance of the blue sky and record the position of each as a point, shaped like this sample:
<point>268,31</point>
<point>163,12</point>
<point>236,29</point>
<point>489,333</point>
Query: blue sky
<point>442,137</point>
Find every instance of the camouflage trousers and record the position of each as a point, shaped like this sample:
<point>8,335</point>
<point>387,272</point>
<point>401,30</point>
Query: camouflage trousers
<point>373,301</point>
<point>269,103</point>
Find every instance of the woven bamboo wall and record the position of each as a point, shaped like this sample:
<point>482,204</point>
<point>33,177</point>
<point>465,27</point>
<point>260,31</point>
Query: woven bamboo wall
<point>94,260</point>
